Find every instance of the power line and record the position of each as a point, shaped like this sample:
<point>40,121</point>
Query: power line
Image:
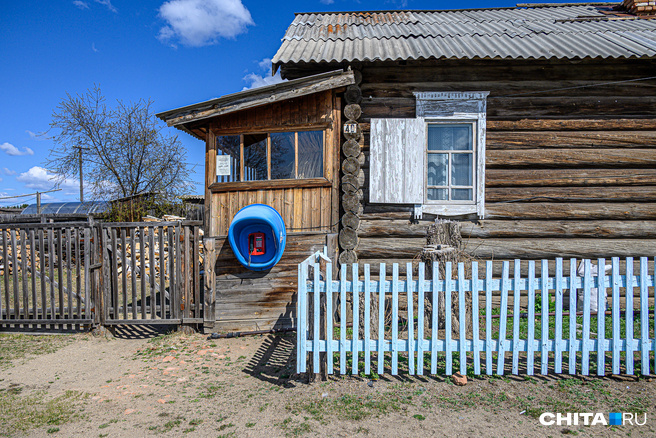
<point>29,194</point>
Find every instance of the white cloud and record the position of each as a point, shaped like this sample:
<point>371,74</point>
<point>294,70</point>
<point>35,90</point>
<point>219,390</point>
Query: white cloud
<point>198,23</point>
<point>93,47</point>
<point>327,2</point>
<point>107,3</point>
<point>7,171</point>
<point>38,178</point>
<point>10,149</point>
<point>39,136</point>
<point>80,4</point>
<point>265,78</point>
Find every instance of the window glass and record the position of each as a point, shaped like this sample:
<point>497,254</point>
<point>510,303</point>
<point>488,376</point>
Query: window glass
<point>282,155</point>
<point>438,194</point>
<point>450,162</point>
<point>462,194</point>
<point>437,169</point>
<point>255,157</point>
<point>461,169</point>
<point>310,154</point>
<point>444,137</point>
<point>229,145</point>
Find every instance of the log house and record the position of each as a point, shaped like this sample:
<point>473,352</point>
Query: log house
<point>532,126</point>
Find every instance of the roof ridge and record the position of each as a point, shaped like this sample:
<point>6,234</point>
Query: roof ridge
<point>498,8</point>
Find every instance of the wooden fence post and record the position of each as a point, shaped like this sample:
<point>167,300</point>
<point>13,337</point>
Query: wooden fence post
<point>209,280</point>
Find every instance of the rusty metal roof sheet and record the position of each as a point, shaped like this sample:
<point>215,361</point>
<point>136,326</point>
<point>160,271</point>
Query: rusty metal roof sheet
<point>571,31</point>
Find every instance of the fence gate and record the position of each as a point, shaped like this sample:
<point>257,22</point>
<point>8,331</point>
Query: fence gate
<point>151,273</point>
<point>47,275</point>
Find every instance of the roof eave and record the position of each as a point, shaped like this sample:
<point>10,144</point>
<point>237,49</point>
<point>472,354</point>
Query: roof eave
<point>255,97</point>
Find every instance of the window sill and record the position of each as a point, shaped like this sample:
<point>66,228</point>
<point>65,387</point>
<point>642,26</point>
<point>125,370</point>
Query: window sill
<point>450,210</point>
<point>218,187</point>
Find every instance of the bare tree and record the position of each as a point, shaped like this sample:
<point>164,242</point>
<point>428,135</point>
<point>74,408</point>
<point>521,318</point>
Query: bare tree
<point>123,151</point>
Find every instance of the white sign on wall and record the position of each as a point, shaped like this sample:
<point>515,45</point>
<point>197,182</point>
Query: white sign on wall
<point>222,165</point>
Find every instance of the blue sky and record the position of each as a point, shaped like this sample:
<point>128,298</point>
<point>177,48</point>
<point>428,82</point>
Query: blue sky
<point>175,52</point>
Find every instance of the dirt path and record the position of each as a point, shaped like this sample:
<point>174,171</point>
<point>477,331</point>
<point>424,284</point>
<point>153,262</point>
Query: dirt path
<point>177,385</point>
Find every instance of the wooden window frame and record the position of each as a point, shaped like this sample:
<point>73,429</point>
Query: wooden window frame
<point>449,186</point>
<point>457,107</point>
<point>217,186</point>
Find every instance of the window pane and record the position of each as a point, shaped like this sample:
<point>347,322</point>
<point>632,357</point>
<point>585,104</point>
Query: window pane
<point>437,169</point>
<point>462,194</point>
<point>461,170</point>
<point>229,145</point>
<point>450,137</point>
<point>438,194</point>
<point>310,154</point>
<point>282,155</point>
<point>255,159</point>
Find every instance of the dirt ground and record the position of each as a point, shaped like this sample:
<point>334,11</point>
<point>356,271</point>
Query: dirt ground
<point>185,385</point>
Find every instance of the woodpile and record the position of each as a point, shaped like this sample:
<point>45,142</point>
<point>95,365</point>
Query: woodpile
<point>352,193</point>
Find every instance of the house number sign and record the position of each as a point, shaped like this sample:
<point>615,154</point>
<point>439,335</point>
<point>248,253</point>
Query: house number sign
<point>351,127</point>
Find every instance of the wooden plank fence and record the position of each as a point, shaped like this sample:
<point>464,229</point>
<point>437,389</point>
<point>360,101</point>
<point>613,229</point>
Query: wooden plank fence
<point>46,274</point>
<point>393,325</point>
<point>74,274</point>
<point>151,273</point>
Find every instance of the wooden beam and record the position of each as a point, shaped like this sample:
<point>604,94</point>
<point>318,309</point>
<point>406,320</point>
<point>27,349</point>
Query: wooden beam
<point>588,211</point>
<point>572,194</point>
<point>516,228</point>
<point>373,248</point>
<point>571,125</point>
<point>570,139</point>
<point>272,184</point>
<point>571,158</point>
<point>210,178</point>
<point>569,177</point>
<point>559,228</point>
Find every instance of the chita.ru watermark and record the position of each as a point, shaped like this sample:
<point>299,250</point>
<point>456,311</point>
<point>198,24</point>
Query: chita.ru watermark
<point>593,419</point>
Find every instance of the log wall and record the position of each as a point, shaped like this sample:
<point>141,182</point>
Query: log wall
<point>569,171</point>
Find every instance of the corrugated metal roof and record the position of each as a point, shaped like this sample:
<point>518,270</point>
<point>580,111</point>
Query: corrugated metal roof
<point>566,32</point>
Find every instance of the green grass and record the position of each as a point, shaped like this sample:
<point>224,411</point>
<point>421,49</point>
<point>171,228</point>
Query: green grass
<point>22,413</point>
<point>14,347</point>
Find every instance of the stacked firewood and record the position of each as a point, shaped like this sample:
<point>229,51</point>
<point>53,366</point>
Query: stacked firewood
<point>23,250</point>
<point>352,175</point>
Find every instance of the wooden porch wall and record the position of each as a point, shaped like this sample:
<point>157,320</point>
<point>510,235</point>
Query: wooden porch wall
<point>312,206</point>
<point>301,208</point>
<point>248,300</point>
<point>569,171</point>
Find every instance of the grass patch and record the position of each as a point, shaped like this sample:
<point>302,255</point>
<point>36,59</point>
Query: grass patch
<point>19,346</point>
<point>21,413</point>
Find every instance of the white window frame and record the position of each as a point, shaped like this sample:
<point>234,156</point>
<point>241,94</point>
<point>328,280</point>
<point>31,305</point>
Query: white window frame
<point>454,108</point>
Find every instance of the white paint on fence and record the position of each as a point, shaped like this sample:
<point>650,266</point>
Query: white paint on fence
<point>418,344</point>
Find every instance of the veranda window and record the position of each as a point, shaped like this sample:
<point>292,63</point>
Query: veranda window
<point>270,156</point>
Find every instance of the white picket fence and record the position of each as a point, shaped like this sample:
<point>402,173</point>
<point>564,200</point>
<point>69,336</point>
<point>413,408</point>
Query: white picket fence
<point>422,346</point>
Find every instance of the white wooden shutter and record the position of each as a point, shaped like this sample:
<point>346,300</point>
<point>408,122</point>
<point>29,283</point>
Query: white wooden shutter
<point>396,172</point>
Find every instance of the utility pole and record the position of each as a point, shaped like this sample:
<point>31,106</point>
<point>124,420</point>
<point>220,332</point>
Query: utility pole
<point>38,203</point>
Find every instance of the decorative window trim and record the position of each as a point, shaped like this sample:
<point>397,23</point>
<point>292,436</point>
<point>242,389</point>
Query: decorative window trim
<point>465,107</point>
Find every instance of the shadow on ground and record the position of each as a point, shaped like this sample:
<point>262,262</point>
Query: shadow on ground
<point>141,331</point>
<point>275,361</point>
